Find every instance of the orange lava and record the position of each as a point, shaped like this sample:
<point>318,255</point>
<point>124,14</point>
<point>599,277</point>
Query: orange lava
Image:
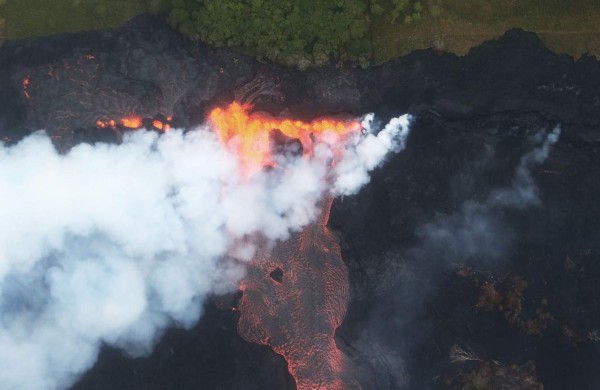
<point>26,82</point>
<point>296,293</point>
<point>158,124</point>
<point>132,122</point>
<point>104,124</point>
<point>298,314</point>
<point>164,127</point>
<point>247,134</point>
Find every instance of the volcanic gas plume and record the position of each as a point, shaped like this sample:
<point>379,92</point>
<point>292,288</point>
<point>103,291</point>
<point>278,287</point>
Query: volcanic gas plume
<point>112,244</point>
<point>296,293</point>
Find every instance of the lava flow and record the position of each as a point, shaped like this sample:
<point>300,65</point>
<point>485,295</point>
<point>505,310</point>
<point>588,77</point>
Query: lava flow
<point>294,298</point>
<point>296,293</point>
<point>248,135</point>
<point>134,122</point>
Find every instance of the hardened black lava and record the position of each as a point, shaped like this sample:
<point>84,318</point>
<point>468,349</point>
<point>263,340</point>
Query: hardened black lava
<point>522,312</point>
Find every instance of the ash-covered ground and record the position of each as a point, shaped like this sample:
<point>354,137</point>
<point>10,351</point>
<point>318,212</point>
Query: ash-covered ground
<point>471,264</point>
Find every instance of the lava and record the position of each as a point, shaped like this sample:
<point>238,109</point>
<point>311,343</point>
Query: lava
<point>296,293</point>
<point>26,82</point>
<point>294,298</point>
<point>248,135</point>
<point>134,122</point>
<point>110,123</point>
<point>157,124</point>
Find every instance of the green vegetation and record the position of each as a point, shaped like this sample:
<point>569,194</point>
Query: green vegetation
<point>30,18</point>
<point>565,26</point>
<point>298,32</point>
<point>305,32</point>
<point>413,10</point>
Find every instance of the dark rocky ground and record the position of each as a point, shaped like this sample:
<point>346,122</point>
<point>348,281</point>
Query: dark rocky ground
<point>506,297</point>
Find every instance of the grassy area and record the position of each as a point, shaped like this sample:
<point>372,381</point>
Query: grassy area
<point>566,26</point>
<point>570,27</point>
<point>31,18</point>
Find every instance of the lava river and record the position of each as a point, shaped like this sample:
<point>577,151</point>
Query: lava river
<point>295,294</point>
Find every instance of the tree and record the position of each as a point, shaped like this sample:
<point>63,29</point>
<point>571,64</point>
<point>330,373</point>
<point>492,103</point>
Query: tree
<point>410,11</point>
<point>376,8</point>
<point>288,31</point>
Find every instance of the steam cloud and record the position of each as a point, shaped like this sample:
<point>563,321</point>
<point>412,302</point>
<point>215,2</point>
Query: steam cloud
<point>114,243</point>
<point>369,152</point>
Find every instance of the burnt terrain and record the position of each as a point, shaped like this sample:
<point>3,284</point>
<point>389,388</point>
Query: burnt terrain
<point>506,296</point>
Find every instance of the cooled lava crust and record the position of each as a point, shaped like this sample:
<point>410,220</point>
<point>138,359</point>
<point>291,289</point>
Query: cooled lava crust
<point>535,310</point>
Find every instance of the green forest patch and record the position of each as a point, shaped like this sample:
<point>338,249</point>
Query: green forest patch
<point>312,32</point>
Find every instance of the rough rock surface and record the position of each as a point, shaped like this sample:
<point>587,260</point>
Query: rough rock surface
<point>522,302</point>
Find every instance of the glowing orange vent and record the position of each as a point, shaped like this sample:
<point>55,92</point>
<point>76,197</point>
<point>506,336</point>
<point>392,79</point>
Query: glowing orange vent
<point>132,122</point>
<point>248,134</point>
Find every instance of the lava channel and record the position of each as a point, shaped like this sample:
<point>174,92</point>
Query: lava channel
<point>296,293</point>
<point>294,298</point>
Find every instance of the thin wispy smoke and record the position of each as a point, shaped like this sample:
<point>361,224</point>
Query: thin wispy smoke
<point>114,243</point>
<point>523,191</point>
<point>477,230</point>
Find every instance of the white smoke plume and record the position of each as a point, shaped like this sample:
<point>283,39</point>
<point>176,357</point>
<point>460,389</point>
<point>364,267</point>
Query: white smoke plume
<point>369,151</point>
<point>114,243</point>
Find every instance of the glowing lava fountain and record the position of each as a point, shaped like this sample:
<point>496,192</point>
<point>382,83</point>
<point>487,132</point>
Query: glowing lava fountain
<point>249,135</point>
<point>296,293</point>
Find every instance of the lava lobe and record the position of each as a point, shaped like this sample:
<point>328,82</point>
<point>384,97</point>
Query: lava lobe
<point>294,298</point>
